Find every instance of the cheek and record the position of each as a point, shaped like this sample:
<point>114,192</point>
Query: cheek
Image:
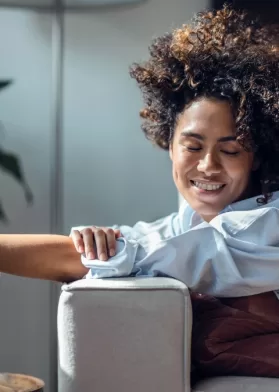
<point>183,162</point>
<point>240,170</point>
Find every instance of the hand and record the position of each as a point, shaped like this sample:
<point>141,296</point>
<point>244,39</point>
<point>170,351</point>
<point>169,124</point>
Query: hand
<point>96,242</point>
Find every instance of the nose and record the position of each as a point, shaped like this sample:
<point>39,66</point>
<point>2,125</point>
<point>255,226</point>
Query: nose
<point>209,165</point>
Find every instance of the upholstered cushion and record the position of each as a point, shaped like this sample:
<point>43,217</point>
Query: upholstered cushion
<point>238,336</point>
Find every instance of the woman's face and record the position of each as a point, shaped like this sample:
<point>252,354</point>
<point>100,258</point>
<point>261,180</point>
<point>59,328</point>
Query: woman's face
<point>210,168</point>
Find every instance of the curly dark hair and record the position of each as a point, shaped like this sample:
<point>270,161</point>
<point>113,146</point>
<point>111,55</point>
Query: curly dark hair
<point>222,54</point>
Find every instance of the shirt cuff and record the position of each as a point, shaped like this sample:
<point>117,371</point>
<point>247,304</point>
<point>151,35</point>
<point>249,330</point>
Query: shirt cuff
<point>121,264</point>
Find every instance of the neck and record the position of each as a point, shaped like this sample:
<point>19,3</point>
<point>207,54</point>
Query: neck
<point>208,218</point>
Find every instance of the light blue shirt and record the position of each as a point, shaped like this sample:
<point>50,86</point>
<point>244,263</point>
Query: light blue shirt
<point>236,254</point>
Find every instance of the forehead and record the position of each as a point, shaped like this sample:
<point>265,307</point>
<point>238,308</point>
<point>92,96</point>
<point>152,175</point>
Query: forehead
<point>209,117</point>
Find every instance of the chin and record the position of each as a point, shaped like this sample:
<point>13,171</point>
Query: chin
<point>205,210</point>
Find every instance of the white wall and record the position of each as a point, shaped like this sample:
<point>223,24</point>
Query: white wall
<point>25,47</point>
<point>112,173</point>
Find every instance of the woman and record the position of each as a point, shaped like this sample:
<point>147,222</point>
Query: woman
<point>211,99</point>
<point>211,96</point>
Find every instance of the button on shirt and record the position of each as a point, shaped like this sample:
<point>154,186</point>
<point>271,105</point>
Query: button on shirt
<point>236,254</point>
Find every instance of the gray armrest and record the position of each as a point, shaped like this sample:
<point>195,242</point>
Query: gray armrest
<point>124,335</point>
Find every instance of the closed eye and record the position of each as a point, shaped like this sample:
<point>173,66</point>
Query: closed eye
<point>234,153</point>
<point>193,149</point>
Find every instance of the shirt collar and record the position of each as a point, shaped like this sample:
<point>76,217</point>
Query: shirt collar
<point>190,218</point>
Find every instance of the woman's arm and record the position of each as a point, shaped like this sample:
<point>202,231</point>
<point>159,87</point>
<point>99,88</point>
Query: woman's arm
<point>236,255</point>
<point>50,257</point>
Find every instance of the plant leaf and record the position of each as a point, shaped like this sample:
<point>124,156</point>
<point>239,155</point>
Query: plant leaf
<point>11,164</point>
<point>5,83</point>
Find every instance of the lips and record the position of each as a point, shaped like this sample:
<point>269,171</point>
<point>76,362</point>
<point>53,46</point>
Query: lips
<point>208,186</point>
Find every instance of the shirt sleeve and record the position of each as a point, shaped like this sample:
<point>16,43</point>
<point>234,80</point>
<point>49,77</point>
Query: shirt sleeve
<point>237,254</point>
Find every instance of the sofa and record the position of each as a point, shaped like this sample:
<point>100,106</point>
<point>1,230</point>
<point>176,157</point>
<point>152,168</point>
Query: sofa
<point>133,335</point>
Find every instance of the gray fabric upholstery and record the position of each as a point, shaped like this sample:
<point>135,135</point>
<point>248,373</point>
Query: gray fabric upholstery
<point>133,335</point>
<point>123,335</point>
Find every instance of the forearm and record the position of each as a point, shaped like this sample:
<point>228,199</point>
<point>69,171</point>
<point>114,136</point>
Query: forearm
<point>51,257</point>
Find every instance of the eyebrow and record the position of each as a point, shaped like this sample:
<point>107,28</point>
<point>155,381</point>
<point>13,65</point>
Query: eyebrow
<point>200,137</point>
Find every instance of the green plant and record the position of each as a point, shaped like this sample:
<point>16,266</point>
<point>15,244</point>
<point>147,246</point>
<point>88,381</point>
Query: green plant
<point>11,164</point>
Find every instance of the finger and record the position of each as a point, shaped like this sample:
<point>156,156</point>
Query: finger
<point>117,233</point>
<point>77,240</point>
<point>88,239</point>
<point>101,244</point>
<point>111,241</point>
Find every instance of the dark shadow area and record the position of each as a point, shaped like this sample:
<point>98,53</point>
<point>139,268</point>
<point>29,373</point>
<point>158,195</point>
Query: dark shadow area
<point>268,10</point>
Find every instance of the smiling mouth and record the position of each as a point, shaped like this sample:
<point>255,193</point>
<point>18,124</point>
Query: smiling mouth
<point>207,187</point>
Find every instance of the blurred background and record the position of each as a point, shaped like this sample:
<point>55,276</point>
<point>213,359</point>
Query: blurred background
<point>71,114</point>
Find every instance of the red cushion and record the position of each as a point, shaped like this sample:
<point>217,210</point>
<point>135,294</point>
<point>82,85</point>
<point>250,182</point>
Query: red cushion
<point>236,336</point>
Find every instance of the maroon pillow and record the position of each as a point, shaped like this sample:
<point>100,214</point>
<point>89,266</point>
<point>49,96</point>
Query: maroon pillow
<point>236,336</point>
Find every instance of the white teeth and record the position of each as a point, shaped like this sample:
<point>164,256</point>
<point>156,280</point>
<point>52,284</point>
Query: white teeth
<point>208,187</point>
